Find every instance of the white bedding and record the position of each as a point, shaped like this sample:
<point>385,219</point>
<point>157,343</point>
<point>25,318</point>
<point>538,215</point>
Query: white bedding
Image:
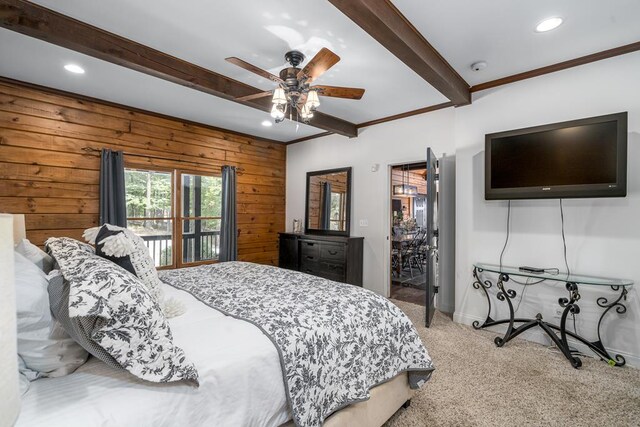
<point>240,382</point>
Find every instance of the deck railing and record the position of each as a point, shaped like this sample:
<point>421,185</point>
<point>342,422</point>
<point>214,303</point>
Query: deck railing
<point>207,247</point>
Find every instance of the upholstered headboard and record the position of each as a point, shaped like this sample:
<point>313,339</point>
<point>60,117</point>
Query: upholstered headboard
<point>19,230</point>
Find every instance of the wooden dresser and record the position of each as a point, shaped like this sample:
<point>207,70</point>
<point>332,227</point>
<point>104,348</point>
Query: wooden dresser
<point>332,257</point>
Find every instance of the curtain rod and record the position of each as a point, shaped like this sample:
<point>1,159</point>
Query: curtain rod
<point>98,151</point>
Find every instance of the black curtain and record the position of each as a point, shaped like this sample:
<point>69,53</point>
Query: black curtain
<point>228,227</point>
<point>325,206</point>
<point>113,205</point>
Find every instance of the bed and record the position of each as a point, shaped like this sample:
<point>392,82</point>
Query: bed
<point>241,382</point>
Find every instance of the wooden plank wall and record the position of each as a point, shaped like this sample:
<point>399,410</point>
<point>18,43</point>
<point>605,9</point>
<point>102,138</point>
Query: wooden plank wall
<point>416,178</point>
<point>49,163</point>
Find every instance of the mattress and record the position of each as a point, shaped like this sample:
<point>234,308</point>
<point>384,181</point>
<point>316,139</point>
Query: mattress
<point>240,382</point>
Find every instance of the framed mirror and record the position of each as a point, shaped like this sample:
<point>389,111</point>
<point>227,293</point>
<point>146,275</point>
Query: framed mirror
<point>328,203</point>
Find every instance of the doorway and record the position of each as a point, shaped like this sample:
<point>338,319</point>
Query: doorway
<point>408,233</point>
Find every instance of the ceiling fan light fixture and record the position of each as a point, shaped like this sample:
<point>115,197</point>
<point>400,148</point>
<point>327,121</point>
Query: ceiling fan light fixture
<point>312,99</point>
<point>277,112</point>
<point>294,97</point>
<point>279,97</point>
<point>306,112</point>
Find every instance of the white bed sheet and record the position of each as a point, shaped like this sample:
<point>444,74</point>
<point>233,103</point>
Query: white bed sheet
<point>240,382</point>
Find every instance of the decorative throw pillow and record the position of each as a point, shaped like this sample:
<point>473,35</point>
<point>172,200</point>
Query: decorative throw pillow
<point>116,247</point>
<point>125,248</point>
<point>79,328</point>
<point>112,310</point>
<point>35,255</point>
<point>43,345</point>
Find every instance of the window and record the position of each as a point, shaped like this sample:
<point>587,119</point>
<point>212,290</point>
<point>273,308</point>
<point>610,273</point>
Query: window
<point>179,224</point>
<point>337,219</point>
<point>149,196</point>
<point>200,220</point>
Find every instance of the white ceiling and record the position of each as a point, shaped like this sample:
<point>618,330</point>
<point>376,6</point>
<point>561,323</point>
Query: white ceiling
<point>42,63</point>
<point>502,32</point>
<point>203,32</point>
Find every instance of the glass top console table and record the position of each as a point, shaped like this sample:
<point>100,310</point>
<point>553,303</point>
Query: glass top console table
<point>557,333</point>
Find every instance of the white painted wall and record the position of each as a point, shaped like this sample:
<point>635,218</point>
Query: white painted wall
<point>384,144</point>
<point>603,235</point>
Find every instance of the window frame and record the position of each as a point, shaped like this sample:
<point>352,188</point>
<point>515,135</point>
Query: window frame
<point>180,218</point>
<point>171,218</point>
<point>177,216</point>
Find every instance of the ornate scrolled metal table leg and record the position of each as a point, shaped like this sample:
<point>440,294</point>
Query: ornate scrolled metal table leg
<point>505,295</point>
<point>570,306</point>
<point>484,285</point>
<point>597,346</point>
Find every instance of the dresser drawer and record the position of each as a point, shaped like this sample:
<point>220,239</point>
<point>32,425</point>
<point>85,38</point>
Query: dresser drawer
<point>310,266</point>
<point>334,258</point>
<point>326,270</point>
<point>333,253</point>
<point>309,250</point>
<point>333,268</point>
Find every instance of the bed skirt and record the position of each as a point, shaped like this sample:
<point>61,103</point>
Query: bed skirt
<point>385,400</point>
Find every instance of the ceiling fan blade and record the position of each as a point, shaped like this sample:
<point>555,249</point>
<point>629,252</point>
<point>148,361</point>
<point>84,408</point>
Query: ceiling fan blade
<point>254,96</point>
<point>320,63</point>
<point>339,92</point>
<point>256,70</point>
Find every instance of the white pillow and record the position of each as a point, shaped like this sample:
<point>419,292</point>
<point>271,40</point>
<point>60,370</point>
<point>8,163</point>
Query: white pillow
<point>125,248</point>
<point>43,344</point>
<point>35,255</point>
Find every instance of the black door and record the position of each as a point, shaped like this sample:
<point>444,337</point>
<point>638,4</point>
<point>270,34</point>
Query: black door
<point>432,236</point>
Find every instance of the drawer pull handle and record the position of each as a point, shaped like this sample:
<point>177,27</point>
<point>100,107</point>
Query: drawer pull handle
<point>309,257</point>
<point>333,252</point>
<point>309,244</point>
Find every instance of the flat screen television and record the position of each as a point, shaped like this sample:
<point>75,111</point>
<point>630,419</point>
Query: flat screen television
<point>578,158</point>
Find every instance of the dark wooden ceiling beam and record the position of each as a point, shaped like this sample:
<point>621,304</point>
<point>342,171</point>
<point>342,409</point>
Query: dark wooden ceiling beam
<point>385,23</point>
<point>598,56</point>
<point>44,24</point>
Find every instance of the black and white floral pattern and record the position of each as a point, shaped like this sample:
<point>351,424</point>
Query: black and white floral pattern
<point>129,251</point>
<point>335,341</point>
<point>132,328</point>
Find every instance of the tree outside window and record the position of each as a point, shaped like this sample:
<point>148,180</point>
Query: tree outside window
<point>179,224</point>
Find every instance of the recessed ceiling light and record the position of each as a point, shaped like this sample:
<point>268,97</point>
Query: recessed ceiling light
<point>267,123</point>
<point>548,24</point>
<point>73,68</point>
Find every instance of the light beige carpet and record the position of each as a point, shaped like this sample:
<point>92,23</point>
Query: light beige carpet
<point>521,384</point>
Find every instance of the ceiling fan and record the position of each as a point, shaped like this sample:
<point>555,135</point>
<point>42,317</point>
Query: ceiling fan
<point>294,91</point>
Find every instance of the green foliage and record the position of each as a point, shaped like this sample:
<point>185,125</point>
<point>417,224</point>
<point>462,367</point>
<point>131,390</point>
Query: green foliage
<point>211,194</point>
<point>148,194</point>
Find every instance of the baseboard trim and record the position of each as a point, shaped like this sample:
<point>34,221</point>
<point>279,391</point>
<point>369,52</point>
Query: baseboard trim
<point>536,335</point>
<point>445,308</point>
